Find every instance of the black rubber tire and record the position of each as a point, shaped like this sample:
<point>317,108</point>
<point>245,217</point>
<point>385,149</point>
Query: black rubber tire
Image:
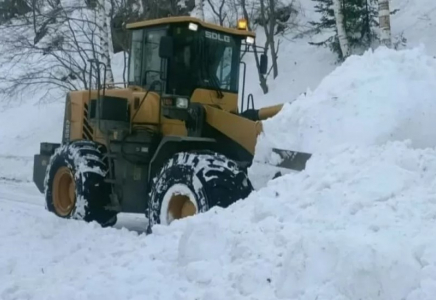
<point>218,182</point>
<point>86,162</point>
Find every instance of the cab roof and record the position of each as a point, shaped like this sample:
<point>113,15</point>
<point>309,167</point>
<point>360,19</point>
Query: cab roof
<point>168,20</point>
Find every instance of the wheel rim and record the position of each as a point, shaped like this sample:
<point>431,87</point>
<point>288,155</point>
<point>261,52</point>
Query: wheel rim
<point>180,207</point>
<point>64,192</point>
<point>179,202</point>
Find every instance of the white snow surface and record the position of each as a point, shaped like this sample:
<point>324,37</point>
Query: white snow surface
<point>381,96</point>
<point>357,224</point>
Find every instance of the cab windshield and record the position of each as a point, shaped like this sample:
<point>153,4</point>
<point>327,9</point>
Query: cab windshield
<point>202,59</point>
<point>205,59</point>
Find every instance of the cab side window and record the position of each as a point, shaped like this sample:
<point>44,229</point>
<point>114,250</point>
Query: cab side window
<point>224,70</point>
<point>151,59</point>
<point>136,57</point>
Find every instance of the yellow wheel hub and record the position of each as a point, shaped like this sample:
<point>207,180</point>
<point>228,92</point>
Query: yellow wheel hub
<point>64,192</point>
<point>180,206</point>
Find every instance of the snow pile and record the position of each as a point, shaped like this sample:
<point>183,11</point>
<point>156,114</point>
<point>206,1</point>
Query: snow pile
<point>380,96</point>
<point>357,224</point>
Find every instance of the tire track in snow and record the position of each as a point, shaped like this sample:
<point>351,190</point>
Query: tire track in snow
<point>16,168</point>
<point>21,196</point>
<point>17,191</point>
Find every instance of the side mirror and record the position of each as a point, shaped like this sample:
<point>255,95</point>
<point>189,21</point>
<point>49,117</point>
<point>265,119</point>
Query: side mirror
<point>263,64</point>
<point>166,45</point>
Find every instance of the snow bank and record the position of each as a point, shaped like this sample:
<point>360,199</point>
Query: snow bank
<point>357,224</point>
<point>380,96</point>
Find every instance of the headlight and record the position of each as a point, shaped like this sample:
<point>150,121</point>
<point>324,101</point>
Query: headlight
<point>182,103</point>
<point>193,26</point>
<point>250,40</point>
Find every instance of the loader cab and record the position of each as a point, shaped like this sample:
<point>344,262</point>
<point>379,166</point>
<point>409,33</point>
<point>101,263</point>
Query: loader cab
<point>185,53</point>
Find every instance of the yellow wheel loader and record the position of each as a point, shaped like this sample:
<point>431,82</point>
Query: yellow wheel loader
<point>171,144</point>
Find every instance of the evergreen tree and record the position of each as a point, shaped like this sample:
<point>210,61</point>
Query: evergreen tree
<point>360,19</point>
<point>10,9</point>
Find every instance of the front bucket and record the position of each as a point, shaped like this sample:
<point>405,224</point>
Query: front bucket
<point>292,160</point>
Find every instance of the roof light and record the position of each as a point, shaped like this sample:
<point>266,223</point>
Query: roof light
<point>193,26</point>
<point>250,40</point>
<point>242,24</point>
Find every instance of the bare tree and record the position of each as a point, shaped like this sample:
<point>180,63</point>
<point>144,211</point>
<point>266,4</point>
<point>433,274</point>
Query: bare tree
<point>219,10</point>
<point>275,17</point>
<point>163,8</point>
<point>104,40</point>
<point>262,79</point>
<point>269,22</point>
<point>122,12</point>
<point>57,57</point>
<point>233,12</point>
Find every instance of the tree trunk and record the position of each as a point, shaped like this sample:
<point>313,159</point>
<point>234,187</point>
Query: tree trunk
<point>104,41</point>
<point>342,34</point>
<point>262,79</point>
<point>218,13</point>
<point>34,16</point>
<point>274,56</point>
<point>385,23</point>
<point>269,25</point>
<point>272,46</point>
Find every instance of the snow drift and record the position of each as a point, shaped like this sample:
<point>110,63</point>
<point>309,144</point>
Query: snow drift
<point>380,96</point>
<point>356,224</point>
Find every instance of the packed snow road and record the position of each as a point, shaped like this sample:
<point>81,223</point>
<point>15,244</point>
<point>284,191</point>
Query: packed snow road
<point>23,195</point>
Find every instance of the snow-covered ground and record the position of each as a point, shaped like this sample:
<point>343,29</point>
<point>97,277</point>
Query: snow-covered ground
<point>380,96</point>
<point>356,224</point>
